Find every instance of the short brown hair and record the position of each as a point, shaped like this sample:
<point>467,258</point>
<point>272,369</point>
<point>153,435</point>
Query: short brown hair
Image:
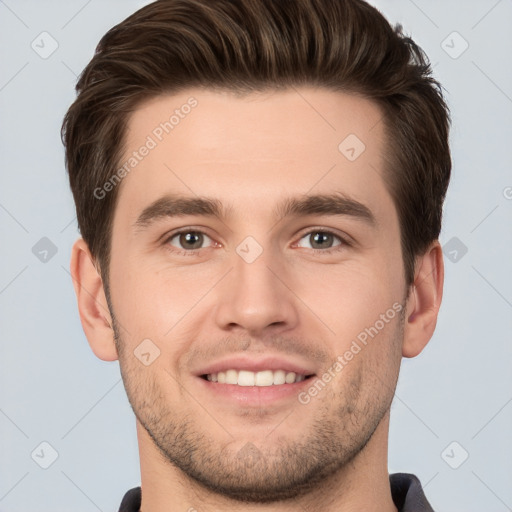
<point>256,45</point>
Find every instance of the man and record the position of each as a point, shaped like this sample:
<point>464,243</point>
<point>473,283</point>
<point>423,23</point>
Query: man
<point>259,187</point>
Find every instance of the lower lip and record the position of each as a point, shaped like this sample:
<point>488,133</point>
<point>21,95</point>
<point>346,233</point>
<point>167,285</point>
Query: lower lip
<point>255,395</point>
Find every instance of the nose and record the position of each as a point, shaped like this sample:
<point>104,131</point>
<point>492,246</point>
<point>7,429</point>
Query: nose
<point>255,297</point>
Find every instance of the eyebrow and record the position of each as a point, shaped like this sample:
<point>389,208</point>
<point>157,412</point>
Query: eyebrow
<point>321,204</point>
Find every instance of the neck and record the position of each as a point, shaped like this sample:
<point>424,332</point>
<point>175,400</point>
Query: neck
<point>363,484</point>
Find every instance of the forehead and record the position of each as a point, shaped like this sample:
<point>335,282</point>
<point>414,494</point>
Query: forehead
<point>253,149</point>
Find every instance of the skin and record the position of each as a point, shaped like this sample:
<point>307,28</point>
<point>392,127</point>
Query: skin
<point>205,452</point>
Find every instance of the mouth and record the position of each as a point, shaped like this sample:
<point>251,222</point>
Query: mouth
<point>263,378</point>
<point>246,381</point>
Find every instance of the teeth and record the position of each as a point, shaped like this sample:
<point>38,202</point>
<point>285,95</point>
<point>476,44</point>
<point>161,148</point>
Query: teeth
<point>245,378</point>
<point>279,377</point>
<point>231,377</point>
<point>263,378</point>
<point>290,378</point>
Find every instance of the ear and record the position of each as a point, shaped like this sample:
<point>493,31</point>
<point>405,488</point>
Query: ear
<point>92,303</point>
<point>424,300</point>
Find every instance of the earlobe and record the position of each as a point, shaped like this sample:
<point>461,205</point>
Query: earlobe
<point>424,301</point>
<point>92,303</point>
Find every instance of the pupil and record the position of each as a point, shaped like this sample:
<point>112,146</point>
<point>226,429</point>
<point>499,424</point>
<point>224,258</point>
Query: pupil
<point>193,240</point>
<point>319,238</point>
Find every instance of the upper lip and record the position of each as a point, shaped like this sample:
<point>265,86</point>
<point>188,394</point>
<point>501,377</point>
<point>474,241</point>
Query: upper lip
<point>253,364</point>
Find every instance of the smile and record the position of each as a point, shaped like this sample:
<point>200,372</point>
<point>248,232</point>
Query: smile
<point>261,378</point>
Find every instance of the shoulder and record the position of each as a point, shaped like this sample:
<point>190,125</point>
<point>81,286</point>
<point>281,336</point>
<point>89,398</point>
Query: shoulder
<point>408,494</point>
<point>131,501</point>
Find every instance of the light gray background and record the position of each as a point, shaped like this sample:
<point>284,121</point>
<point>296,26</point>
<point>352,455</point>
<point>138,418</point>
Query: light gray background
<point>53,389</point>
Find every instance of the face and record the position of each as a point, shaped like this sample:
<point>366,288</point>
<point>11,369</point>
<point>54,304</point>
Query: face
<point>256,281</point>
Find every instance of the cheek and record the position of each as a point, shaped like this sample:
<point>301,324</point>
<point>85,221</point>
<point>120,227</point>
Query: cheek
<point>151,300</point>
<point>350,297</point>
<point>144,385</point>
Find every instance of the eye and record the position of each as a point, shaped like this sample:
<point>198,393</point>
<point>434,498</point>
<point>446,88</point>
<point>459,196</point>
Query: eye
<point>321,240</point>
<point>188,239</point>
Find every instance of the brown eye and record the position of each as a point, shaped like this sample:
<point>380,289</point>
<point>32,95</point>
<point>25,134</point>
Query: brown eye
<point>320,240</point>
<point>189,240</point>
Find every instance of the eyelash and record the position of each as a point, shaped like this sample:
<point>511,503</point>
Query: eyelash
<point>344,243</point>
